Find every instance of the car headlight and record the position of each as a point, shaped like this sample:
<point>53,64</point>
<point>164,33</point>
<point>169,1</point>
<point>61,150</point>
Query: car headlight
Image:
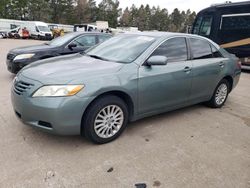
<point>58,91</point>
<point>23,56</point>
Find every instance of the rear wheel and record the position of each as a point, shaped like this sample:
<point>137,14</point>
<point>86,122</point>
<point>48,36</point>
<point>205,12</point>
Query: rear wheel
<point>105,120</point>
<point>220,95</point>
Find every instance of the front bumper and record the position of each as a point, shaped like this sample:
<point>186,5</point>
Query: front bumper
<point>57,115</point>
<point>16,66</point>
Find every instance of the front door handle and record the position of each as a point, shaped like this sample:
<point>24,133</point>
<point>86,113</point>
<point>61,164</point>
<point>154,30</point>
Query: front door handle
<point>222,64</point>
<point>187,69</point>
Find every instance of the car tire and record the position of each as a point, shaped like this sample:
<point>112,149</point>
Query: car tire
<point>105,119</point>
<point>220,94</point>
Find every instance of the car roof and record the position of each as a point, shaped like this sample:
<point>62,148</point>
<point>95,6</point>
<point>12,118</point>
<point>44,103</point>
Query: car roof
<point>165,35</point>
<point>77,33</point>
<point>160,34</point>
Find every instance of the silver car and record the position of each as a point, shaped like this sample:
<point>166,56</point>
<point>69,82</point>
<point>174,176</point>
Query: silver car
<point>126,78</point>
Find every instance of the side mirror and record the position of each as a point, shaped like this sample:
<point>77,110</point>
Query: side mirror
<point>72,45</point>
<point>157,60</point>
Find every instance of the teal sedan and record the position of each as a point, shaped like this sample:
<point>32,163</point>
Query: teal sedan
<point>126,78</point>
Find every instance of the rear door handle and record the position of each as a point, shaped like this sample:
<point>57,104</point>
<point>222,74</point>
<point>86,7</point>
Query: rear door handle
<point>187,69</point>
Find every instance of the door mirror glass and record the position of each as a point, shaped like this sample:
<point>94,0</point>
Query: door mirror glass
<point>157,60</point>
<point>72,45</point>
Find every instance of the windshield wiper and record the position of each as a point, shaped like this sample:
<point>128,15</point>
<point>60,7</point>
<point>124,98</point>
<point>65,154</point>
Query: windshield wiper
<point>97,57</point>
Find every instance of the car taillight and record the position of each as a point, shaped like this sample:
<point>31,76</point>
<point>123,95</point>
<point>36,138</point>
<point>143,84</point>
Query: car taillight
<point>239,63</point>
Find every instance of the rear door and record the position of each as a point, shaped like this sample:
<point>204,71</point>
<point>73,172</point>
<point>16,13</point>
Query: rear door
<point>208,65</point>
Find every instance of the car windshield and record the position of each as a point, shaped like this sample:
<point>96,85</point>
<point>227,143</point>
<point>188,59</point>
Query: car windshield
<point>122,48</point>
<point>43,28</point>
<point>61,40</point>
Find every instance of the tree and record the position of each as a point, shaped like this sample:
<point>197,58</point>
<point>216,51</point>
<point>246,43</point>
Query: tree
<point>177,19</point>
<point>92,10</point>
<point>133,16</point>
<point>86,11</point>
<point>4,9</point>
<point>60,10</point>
<point>81,9</point>
<point>125,18</point>
<point>109,10</point>
<point>38,9</point>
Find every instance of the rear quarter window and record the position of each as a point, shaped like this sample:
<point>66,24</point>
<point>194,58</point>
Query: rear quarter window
<point>201,49</point>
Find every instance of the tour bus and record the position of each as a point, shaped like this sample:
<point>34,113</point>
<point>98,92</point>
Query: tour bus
<point>227,24</point>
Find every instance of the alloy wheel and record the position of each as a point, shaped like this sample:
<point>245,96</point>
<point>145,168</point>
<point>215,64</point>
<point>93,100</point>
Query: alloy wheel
<point>108,121</point>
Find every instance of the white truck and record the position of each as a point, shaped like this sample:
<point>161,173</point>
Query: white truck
<point>96,26</point>
<point>37,30</point>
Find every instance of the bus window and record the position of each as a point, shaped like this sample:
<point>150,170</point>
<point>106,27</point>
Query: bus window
<point>235,22</point>
<point>203,26</point>
<point>197,25</point>
<point>206,26</point>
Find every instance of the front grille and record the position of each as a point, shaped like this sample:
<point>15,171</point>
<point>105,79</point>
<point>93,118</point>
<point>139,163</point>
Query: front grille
<point>11,56</point>
<point>48,35</point>
<point>20,87</point>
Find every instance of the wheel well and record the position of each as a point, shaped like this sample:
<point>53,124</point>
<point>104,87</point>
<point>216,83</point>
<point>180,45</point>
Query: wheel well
<point>124,96</point>
<point>230,81</point>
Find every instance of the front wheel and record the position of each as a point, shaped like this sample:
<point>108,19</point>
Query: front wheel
<point>220,95</point>
<point>105,119</point>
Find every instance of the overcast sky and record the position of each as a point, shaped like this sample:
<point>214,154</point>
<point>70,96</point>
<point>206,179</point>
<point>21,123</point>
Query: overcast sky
<point>195,5</point>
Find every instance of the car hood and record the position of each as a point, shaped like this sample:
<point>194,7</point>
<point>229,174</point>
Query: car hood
<point>31,49</point>
<point>65,69</point>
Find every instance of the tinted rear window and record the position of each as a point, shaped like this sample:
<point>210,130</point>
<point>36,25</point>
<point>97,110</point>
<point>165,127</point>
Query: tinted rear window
<point>201,49</point>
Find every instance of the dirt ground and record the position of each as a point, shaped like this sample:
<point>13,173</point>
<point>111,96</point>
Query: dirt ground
<point>194,147</point>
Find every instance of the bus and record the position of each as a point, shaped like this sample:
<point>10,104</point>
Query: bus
<point>228,25</point>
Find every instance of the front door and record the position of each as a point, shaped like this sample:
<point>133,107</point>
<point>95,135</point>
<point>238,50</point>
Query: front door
<point>164,87</point>
<point>82,43</point>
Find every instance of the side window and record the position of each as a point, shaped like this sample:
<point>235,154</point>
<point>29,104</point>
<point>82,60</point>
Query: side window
<point>235,22</point>
<point>215,52</point>
<point>174,49</point>
<point>85,41</point>
<point>201,49</point>
<point>206,25</point>
<point>197,25</point>
<point>102,38</point>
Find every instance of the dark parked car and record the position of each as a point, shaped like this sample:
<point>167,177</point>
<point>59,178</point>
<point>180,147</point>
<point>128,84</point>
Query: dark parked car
<point>68,44</point>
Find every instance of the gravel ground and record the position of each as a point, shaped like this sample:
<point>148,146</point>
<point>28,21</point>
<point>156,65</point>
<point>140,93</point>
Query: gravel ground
<point>193,147</point>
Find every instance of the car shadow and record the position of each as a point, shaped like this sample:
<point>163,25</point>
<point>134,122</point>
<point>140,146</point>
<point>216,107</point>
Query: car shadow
<point>133,126</point>
<point>34,136</point>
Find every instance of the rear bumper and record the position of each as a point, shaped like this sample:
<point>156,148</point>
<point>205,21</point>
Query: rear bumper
<point>236,79</point>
